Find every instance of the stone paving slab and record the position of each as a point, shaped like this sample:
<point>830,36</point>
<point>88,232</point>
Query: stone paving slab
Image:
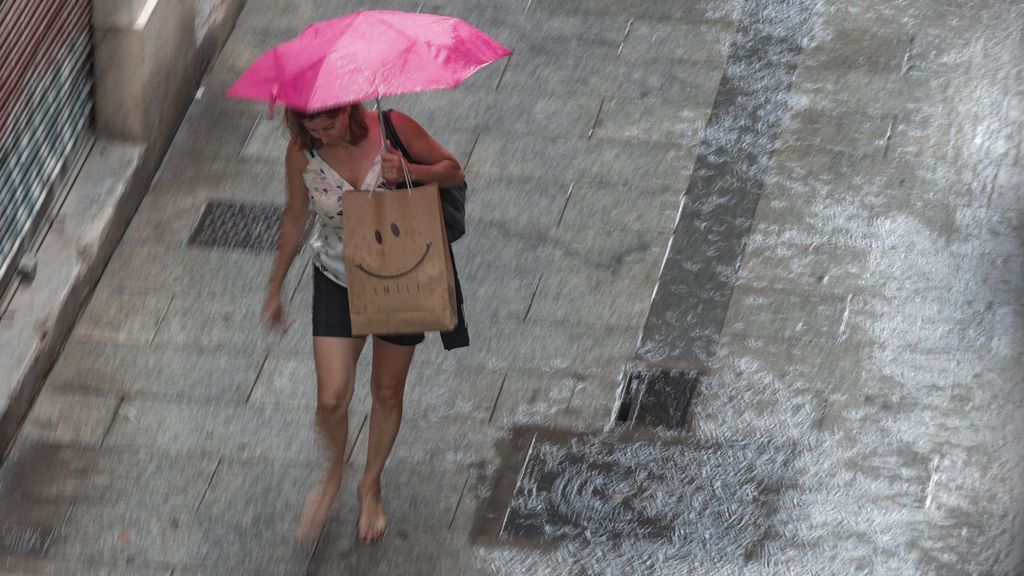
<point>240,432</point>
<point>440,554</point>
<point>212,132</point>
<point>438,441</point>
<point>654,38</point>
<point>139,371</point>
<point>691,11</point>
<point>653,119</point>
<point>511,114</point>
<point>582,251</point>
<point>115,536</point>
<point>206,178</point>
<point>572,74</point>
<point>198,321</point>
<point>572,159</point>
<point>862,90</point>
<point>856,131</point>
<point>824,319</point>
<point>528,397</point>
<point>47,473</point>
<point>70,418</point>
<point>34,567</point>
<point>289,378</point>
<point>434,391</point>
<point>593,297</point>
<point>28,529</point>
<point>202,273</point>
<point>284,17</point>
<point>869,50</point>
<point>497,297</point>
<point>576,347</point>
<point>609,206</point>
<point>521,201</point>
<point>555,32</point>
<point>122,318</point>
<point>187,570</point>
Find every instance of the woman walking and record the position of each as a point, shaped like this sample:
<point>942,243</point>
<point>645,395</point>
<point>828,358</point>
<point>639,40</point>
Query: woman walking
<point>330,152</point>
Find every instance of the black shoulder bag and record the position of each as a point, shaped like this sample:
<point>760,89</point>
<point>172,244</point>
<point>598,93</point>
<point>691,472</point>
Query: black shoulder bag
<point>453,199</point>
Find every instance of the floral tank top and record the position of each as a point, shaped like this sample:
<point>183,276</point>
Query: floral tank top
<point>325,188</point>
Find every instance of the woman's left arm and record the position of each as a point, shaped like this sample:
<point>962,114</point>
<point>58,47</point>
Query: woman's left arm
<point>434,163</point>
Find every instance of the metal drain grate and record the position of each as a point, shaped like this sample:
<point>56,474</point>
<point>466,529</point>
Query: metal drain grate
<point>707,499</point>
<point>24,539</point>
<point>656,396</point>
<point>236,225</point>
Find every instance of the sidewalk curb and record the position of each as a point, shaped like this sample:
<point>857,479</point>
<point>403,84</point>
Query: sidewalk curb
<point>72,257</point>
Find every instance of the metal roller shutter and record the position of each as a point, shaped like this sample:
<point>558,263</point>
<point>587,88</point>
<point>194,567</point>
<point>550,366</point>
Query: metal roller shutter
<point>45,106</point>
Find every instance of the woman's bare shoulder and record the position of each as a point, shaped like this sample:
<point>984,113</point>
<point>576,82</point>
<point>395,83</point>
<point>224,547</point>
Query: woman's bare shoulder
<point>295,157</point>
<point>405,124</point>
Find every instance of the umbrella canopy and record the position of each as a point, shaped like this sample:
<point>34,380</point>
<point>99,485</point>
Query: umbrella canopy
<point>367,55</point>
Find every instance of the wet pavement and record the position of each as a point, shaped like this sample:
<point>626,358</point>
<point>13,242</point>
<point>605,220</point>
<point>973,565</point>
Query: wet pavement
<point>810,212</point>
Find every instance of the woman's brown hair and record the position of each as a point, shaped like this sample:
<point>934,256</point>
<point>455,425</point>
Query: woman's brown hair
<point>357,128</point>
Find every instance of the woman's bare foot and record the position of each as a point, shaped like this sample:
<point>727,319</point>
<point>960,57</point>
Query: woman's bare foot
<point>318,507</point>
<point>372,523</point>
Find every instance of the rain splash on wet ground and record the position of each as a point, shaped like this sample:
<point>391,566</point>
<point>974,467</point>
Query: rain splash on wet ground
<point>868,368</point>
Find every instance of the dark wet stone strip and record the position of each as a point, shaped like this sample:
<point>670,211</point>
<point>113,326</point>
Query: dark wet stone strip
<point>683,326</point>
<point>632,486</point>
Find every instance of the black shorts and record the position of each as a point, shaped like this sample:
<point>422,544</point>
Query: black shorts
<point>331,316</point>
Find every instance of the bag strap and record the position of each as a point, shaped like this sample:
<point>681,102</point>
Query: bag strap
<point>392,135</point>
<point>388,132</point>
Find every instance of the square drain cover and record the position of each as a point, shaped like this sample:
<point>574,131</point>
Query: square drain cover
<point>713,499</point>
<point>235,225</point>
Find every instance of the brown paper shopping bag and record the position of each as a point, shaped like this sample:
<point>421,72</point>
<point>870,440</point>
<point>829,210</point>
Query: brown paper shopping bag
<point>397,261</point>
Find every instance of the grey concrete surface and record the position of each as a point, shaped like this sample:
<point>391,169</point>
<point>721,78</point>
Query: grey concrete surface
<point>874,328</point>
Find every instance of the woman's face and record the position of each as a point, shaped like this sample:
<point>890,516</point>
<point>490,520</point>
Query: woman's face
<point>330,131</point>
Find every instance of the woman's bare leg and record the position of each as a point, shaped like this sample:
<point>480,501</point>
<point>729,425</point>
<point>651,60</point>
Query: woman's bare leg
<point>335,360</point>
<point>387,385</point>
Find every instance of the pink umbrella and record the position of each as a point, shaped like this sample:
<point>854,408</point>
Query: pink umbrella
<point>367,55</point>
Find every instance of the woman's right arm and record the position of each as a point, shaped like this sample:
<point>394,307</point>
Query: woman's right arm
<point>293,223</point>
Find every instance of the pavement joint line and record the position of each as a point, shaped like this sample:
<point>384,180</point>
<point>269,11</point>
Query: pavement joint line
<point>624,36</point>
<point>462,494</point>
<point>888,136</point>
<point>67,516</point>
<point>302,274</point>
<point>568,404</point>
<point>565,204</point>
<point>533,296</point>
<point>113,418</point>
<point>160,321</point>
<point>906,57</point>
<point>355,439</point>
<point>992,187</point>
<point>846,316</point>
<point>933,475</point>
<point>497,397</point>
<point>257,378</point>
<point>519,481</point>
<point>252,131</point>
<point>209,483</point>
<point>503,70</point>
<point>469,157</point>
<point>819,424</point>
<point>593,127</point>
